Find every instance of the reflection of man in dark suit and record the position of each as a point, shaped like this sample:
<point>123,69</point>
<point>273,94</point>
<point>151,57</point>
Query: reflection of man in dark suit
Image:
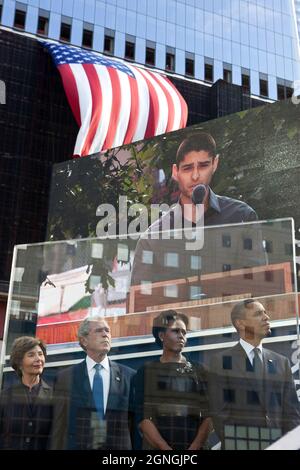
<point>252,393</point>
<point>92,397</point>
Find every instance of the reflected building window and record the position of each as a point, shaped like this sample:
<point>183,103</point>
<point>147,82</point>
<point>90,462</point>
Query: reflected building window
<point>253,433</point>
<point>226,241</point>
<point>227,73</point>
<point>246,84</point>
<point>97,250</point>
<point>268,245</point>
<point>289,90</point>
<point>147,257</point>
<point>227,362</point>
<point>269,276</point>
<point>123,253</point>
<point>195,292</point>
<point>146,287</point>
<point>65,29</point>
<point>171,291</point>
<point>249,437</point>
<point>189,64</point>
<point>252,397</point>
<point>226,268</point>
<point>171,260</point>
<point>247,243</point>
<point>87,35</point>
<point>150,53</point>
<point>284,89</point>
<point>280,92</point>
<point>228,395</point>
<point>109,41</point>
<point>249,274</point>
<point>230,444</point>
<point>20,15</point>
<point>196,262</point>
<point>43,23</point>
<point>130,47</point>
<point>208,70</point>
<point>263,85</point>
<point>170,59</point>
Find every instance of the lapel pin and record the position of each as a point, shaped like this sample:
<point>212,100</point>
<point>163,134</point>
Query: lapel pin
<point>270,360</point>
<point>118,379</point>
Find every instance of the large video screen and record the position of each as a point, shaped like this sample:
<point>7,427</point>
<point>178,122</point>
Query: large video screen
<point>258,163</point>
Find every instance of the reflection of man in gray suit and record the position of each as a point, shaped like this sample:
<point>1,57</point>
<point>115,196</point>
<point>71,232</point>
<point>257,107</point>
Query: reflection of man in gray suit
<point>252,392</point>
<point>92,397</point>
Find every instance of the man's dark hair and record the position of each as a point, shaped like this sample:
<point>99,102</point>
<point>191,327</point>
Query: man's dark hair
<point>196,143</point>
<point>20,347</point>
<point>164,320</point>
<point>239,310</point>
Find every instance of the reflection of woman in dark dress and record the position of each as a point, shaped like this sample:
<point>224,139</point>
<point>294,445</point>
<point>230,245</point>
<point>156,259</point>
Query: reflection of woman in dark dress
<point>170,394</point>
<point>25,407</point>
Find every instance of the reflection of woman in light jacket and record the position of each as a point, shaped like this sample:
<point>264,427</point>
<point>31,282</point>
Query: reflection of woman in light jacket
<point>170,394</point>
<point>25,407</point>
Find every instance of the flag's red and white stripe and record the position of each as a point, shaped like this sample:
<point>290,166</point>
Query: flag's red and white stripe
<point>113,108</point>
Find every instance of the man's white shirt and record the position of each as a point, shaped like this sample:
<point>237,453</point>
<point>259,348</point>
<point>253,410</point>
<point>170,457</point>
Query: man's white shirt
<point>249,350</point>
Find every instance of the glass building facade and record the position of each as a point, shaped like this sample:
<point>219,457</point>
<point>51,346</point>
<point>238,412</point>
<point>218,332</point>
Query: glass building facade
<point>250,43</point>
<point>297,8</point>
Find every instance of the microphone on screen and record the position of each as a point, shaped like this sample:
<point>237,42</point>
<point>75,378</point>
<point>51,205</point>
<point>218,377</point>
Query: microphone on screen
<point>198,194</point>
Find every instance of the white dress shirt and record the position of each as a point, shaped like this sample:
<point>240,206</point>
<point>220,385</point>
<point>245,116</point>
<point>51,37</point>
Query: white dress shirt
<point>249,350</point>
<point>105,373</point>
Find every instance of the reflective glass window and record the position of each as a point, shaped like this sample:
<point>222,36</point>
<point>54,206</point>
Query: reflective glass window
<point>87,35</point>
<point>43,23</point>
<point>171,291</point>
<point>227,75</point>
<point>65,29</point>
<point>171,260</point>
<point>263,87</point>
<point>20,16</point>
<point>150,54</point>
<point>170,59</point>
<point>109,42</point>
<point>190,65</point>
<point>208,72</point>
<point>129,48</point>
<point>246,82</point>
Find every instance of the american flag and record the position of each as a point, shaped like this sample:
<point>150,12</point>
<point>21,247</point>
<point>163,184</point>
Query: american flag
<point>115,103</point>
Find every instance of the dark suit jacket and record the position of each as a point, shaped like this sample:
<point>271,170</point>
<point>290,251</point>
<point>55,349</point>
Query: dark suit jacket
<point>76,424</point>
<point>237,397</point>
<point>25,427</point>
